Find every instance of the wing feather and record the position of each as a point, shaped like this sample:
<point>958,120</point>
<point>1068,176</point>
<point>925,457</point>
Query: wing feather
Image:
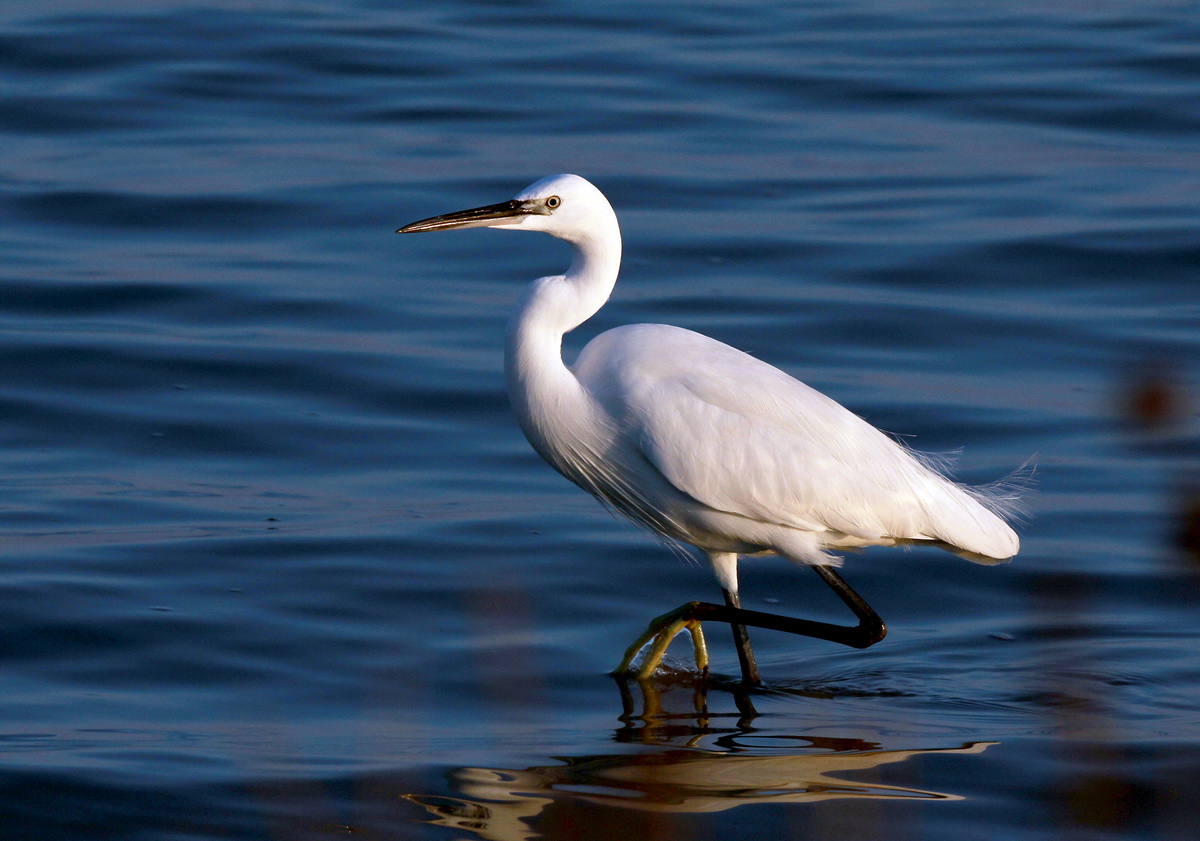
<point>743,437</point>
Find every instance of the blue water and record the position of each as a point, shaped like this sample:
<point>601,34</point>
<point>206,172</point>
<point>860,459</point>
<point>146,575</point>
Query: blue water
<point>275,561</point>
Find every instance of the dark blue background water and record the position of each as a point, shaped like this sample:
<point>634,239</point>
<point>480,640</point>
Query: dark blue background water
<point>275,562</point>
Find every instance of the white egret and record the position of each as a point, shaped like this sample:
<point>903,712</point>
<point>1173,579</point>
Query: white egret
<point>707,445</point>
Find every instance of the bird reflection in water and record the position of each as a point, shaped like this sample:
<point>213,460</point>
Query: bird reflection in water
<point>694,760</point>
<point>655,723</point>
<point>509,805</point>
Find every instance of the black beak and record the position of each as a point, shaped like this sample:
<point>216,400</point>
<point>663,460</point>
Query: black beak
<point>479,217</point>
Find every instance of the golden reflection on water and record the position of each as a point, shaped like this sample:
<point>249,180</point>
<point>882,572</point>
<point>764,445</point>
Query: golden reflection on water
<point>738,766</point>
<point>502,803</point>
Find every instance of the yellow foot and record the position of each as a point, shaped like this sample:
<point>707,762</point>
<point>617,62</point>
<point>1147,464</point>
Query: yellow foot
<point>662,630</point>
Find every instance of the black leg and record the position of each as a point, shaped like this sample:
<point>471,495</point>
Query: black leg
<point>869,630</point>
<point>742,640</point>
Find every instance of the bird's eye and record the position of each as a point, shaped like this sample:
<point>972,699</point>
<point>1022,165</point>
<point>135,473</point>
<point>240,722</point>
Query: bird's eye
<point>553,202</point>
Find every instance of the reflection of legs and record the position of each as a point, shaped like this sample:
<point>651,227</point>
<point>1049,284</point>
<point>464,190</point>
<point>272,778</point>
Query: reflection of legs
<point>869,630</point>
<point>654,725</point>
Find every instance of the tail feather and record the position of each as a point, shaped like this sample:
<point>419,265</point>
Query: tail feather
<point>974,525</point>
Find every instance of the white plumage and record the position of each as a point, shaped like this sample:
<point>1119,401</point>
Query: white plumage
<point>701,442</point>
<point>766,460</point>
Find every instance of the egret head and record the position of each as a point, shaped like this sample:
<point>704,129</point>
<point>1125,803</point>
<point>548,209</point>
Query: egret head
<point>565,206</point>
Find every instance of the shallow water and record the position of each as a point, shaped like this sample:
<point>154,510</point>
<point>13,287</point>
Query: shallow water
<point>275,561</point>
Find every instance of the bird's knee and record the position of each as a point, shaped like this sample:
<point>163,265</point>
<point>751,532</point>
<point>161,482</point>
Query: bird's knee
<point>873,632</point>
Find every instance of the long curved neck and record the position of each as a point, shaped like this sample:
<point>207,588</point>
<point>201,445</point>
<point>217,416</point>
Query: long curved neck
<point>539,383</point>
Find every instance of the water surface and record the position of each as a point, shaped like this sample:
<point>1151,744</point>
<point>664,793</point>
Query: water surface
<point>275,561</point>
